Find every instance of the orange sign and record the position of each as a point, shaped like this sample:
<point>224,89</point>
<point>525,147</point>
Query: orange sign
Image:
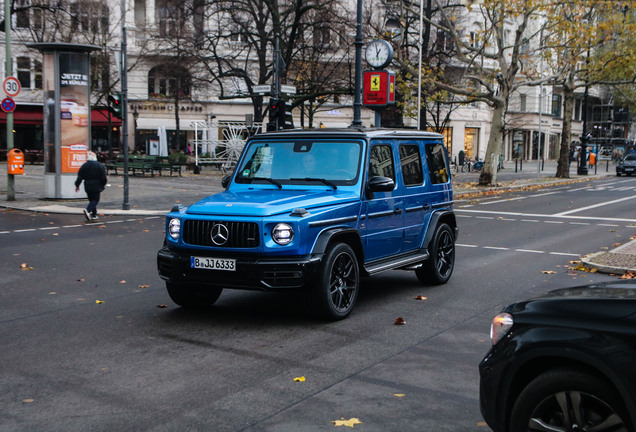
<point>73,157</point>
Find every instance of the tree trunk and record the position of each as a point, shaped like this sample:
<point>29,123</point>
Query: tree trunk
<point>488,176</point>
<point>563,166</point>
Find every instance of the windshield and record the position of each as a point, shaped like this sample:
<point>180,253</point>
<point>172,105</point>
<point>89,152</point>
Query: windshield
<point>327,163</point>
<point>631,157</point>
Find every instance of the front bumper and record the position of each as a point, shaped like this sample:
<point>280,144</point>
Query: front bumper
<point>252,273</point>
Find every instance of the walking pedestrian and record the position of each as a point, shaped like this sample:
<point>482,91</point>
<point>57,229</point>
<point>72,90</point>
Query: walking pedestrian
<point>94,176</point>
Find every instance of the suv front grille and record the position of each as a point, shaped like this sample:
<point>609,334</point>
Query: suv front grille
<point>237,235</point>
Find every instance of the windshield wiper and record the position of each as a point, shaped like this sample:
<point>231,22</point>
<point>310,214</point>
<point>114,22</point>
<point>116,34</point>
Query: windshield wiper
<point>321,180</point>
<point>267,179</point>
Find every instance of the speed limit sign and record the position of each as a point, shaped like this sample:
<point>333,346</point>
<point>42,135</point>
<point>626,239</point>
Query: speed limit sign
<point>11,86</point>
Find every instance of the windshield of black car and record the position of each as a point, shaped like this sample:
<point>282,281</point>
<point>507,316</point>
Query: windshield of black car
<point>631,157</point>
<point>306,162</point>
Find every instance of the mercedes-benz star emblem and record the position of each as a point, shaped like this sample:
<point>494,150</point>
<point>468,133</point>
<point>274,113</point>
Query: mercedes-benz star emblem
<point>219,234</point>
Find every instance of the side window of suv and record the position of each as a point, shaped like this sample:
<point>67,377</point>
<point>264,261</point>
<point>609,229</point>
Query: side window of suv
<point>437,163</point>
<point>381,162</point>
<point>411,165</point>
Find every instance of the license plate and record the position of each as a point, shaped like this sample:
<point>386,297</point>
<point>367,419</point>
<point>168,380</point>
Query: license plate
<point>629,169</point>
<point>213,263</point>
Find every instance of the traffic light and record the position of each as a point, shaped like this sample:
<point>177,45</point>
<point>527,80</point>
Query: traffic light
<point>114,105</point>
<point>288,119</point>
<point>276,109</point>
<point>280,115</point>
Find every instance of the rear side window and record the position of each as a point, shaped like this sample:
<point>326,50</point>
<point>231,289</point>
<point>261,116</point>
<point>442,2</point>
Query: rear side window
<point>436,157</point>
<point>381,162</point>
<point>411,165</point>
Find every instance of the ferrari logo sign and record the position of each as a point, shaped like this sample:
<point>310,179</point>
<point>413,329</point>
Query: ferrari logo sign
<point>375,83</point>
<point>378,89</point>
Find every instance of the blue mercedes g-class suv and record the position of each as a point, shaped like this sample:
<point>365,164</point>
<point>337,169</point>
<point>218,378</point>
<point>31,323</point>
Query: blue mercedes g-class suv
<point>315,210</point>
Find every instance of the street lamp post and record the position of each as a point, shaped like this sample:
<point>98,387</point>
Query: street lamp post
<point>357,101</point>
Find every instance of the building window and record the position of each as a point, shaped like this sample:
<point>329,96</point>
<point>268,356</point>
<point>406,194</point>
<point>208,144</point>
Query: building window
<point>89,17</point>
<point>444,42</point>
<point>166,81</point>
<point>523,102</point>
<point>27,16</point>
<point>556,105</point>
<point>169,17</point>
<point>29,73</point>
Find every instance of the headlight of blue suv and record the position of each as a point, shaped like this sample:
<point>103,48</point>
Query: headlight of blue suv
<point>282,234</point>
<point>174,228</point>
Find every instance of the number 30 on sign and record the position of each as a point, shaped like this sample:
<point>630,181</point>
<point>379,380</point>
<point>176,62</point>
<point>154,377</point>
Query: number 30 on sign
<point>11,86</point>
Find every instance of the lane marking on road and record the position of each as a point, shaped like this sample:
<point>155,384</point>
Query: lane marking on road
<point>595,206</point>
<point>53,228</point>
<point>504,249</point>
<point>564,215</point>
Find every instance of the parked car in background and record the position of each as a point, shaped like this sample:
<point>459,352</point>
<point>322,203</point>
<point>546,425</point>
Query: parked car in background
<point>313,211</point>
<point>564,361</point>
<point>627,166</point>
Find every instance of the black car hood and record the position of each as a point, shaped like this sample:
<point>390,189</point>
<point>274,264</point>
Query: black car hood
<point>602,301</point>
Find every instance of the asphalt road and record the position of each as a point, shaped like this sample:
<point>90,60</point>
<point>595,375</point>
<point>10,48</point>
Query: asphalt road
<point>91,340</point>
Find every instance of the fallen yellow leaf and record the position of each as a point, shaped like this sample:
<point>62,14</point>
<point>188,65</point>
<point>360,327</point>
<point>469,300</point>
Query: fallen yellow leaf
<point>399,395</point>
<point>548,272</point>
<point>300,379</point>
<point>99,301</point>
<point>350,423</point>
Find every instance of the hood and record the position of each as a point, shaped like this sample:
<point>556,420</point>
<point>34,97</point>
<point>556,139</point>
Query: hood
<point>602,301</point>
<point>268,202</point>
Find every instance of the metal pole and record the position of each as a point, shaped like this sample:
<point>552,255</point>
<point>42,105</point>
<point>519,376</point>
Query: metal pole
<point>8,70</point>
<point>419,69</point>
<point>357,102</point>
<point>540,103</point>
<point>124,103</point>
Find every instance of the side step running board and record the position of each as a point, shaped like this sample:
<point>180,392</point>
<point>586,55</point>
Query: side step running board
<point>408,262</point>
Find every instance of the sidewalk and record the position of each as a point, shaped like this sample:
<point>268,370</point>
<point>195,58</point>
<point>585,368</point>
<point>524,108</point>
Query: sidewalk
<point>152,196</point>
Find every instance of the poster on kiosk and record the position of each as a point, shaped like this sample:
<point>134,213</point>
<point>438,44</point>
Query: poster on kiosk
<point>67,125</point>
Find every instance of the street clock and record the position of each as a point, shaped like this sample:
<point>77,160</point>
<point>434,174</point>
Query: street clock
<point>379,53</point>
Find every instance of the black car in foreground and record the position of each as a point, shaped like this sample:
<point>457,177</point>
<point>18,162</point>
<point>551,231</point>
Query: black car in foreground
<point>565,361</point>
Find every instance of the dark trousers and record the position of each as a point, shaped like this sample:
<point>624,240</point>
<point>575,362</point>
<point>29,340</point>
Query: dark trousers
<point>93,200</point>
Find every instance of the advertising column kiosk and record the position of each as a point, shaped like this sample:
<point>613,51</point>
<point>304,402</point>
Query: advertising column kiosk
<point>67,124</point>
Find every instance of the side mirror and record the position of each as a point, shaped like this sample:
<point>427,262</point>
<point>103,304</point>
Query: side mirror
<point>225,181</point>
<point>380,184</point>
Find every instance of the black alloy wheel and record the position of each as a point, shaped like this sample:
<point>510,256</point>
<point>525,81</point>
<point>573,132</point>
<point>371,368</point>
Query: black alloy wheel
<point>568,401</point>
<point>439,267</point>
<point>336,291</point>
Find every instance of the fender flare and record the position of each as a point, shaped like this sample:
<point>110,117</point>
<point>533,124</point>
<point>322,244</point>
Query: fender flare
<point>445,216</point>
<point>325,238</point>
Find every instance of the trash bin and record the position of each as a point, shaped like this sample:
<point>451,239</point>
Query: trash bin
<point>15,161</point>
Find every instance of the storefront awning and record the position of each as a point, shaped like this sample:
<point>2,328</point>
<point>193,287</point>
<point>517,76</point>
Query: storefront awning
<point>24,115</point>
<point>33,115</point>
<point>99,117</point>
<point>153,123</point>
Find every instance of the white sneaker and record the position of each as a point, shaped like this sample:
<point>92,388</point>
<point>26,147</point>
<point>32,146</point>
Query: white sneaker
<point>94,217</point>
<point>87,214</point>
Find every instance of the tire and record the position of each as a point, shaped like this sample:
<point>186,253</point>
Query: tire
<point>334,294</point>
<point>192,296</point>
<point>551,401</point>
<point>438,269</point>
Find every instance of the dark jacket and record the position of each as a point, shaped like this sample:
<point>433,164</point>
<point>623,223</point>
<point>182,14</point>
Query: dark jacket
<point>94,176</point>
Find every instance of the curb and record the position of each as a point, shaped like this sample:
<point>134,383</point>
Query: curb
<point>588,263</point>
